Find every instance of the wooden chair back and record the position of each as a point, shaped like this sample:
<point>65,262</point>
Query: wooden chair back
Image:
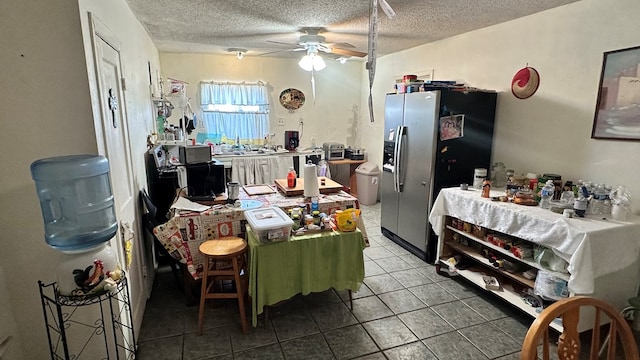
<point>569,341</point>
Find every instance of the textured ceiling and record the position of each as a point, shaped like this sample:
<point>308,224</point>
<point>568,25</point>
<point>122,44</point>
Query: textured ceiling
<point>213,26</point>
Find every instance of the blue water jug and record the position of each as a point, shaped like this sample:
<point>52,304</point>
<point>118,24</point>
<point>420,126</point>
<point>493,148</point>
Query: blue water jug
<point>76,201</point>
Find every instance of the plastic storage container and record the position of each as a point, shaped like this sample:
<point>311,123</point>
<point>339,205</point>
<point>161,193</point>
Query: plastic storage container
<point>76,201</point>
<point>367,181</point>
<point>269,224</point>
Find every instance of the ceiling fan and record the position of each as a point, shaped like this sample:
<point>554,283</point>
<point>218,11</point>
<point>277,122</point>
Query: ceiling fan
<point>312,42</point>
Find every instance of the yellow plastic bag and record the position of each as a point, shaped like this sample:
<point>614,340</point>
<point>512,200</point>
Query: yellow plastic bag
<point>348,219</point>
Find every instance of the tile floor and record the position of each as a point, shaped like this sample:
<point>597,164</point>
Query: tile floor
<point>404,310</point>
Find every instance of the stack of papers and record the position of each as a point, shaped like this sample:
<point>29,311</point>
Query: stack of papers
<point>186,204</point>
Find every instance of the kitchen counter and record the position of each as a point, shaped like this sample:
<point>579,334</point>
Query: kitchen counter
<point>226,158</point>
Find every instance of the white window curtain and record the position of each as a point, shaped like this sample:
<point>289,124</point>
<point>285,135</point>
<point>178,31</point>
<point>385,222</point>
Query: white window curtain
<point>235,111</point>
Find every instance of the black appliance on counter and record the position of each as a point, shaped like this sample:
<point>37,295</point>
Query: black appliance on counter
<point>162,181</point>
<point>202,180</point>
<point>354,154</point>
<point>291,140</point>
<point>432,140</point>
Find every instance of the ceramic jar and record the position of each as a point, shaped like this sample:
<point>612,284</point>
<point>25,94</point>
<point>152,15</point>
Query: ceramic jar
<point>88,272</point>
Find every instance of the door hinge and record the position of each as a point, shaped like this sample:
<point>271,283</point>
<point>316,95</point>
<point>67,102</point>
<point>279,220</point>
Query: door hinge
<point>124,84</point>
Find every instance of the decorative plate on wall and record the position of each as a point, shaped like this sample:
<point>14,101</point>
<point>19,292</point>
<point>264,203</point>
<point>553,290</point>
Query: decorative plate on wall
<point>525,82</point>
<point>291,99</point>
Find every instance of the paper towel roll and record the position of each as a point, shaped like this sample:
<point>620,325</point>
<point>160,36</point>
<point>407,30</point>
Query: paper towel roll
<point>310,181</point>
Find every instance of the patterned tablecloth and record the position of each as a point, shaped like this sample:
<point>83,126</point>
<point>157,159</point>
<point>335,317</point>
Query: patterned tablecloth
<point>186,230</point>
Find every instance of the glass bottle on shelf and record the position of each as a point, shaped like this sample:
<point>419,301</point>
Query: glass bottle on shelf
<point>498,175</point>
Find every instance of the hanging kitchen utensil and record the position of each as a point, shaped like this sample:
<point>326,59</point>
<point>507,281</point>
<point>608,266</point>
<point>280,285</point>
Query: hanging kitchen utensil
<point>373,41</point>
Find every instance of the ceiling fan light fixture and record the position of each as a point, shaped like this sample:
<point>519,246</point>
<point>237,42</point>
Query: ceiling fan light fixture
<point>312,61</point>
<point>238,51</point>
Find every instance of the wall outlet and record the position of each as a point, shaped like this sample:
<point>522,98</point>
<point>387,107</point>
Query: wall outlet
<point>280,121</point>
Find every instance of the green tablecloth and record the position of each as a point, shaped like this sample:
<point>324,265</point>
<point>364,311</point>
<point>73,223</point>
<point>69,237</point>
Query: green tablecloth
<point>304,264</point>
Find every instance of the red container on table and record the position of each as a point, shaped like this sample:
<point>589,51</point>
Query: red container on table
<point>409,78</point>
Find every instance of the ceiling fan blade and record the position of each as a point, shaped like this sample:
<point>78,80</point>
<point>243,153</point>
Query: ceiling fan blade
<point>282,43</point>
<point>347,52</point>
<point>341,45</point>
<point>272,52</point>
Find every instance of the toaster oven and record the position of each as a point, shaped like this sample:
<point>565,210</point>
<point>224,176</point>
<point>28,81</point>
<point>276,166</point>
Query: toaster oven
<point>333,151</point>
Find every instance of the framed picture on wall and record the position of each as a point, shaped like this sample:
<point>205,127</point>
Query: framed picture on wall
<point>617,114</point>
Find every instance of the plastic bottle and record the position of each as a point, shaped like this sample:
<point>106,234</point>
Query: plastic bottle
<point>76,201</point>
<point>607,205</point>
<point>314,204</point>
<point>291,178</point>
<point>547,194</point>
<point>498,175</point>
<point>597,202</point>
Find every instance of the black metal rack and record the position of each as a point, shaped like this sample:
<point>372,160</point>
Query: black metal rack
<point>74,317</point>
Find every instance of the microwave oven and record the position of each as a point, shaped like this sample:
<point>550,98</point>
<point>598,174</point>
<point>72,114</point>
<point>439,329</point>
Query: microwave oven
<point>194,154</point>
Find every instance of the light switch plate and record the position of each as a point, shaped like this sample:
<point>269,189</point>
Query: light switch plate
<point>280,121</point>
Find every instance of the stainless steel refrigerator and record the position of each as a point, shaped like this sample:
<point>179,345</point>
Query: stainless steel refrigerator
<point>433,140</point>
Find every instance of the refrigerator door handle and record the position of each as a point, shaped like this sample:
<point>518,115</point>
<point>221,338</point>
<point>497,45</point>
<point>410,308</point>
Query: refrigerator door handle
<point>396,157</point>
<point>401,136</point>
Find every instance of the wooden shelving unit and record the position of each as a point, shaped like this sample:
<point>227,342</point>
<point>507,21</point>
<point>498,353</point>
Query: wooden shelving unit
<point>512,283</point>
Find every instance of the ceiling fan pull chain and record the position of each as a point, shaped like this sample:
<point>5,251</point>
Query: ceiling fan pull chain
<point>313,86</point>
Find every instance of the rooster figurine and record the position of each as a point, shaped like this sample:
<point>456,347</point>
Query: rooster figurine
<point>87,281</point>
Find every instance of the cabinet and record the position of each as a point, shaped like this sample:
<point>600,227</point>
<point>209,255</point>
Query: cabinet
<point>339,173</point>
<point>602,255</point>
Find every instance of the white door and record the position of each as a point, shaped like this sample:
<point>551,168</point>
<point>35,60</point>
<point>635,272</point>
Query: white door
<point>116,148</point>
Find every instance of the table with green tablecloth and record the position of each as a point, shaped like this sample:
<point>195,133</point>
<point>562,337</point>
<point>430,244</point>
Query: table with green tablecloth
<point>302,265</point>
<point>186,230</point>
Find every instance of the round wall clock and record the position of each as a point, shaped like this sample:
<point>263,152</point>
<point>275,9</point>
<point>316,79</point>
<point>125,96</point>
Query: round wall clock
<point>291,99</point>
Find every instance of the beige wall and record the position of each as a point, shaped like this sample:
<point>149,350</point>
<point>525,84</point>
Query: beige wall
<point>331,118</point>
<point>551,131</point>
<point>46,107</point>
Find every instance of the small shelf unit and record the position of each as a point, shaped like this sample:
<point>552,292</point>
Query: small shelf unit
<point>96,326</point>
<point>512,283</point>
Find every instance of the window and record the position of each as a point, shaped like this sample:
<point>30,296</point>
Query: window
<point>235,111</point>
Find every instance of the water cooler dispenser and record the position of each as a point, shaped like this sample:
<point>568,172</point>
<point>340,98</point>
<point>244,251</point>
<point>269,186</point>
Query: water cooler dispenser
<point>79,219</point>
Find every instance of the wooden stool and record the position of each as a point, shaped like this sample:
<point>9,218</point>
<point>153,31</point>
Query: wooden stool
<point>226,249</point>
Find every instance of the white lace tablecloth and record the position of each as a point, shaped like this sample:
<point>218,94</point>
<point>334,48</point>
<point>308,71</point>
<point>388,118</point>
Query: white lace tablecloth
<point>593,247</point>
